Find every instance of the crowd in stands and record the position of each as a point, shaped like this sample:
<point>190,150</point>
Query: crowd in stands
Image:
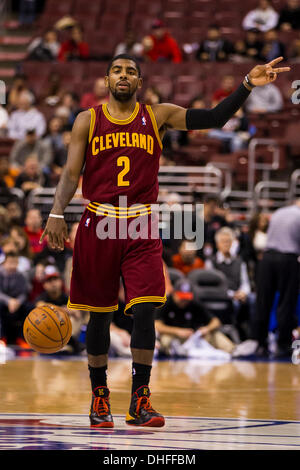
<point>32,273</point>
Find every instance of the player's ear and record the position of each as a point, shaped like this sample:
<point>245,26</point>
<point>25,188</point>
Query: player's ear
<point>106,81</point>
<point>140,82</point>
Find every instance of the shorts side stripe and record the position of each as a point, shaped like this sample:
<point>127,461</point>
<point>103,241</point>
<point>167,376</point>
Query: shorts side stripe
<point>91,308</point>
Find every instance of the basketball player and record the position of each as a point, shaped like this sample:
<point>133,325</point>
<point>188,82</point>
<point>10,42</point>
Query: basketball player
<point>119,145</point>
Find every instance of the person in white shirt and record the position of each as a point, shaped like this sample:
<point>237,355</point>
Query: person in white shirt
<point>25,117</point>
<point>267,99</point>
<point>263,18</point>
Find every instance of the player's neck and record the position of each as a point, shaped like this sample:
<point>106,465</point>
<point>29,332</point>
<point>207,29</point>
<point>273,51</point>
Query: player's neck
<point>119,110</point>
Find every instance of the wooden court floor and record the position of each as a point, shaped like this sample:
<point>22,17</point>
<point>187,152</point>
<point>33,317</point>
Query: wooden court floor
<point>195,395</point>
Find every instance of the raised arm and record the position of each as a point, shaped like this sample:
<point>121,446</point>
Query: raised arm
<point>56,228</point>
<point>175,117</point>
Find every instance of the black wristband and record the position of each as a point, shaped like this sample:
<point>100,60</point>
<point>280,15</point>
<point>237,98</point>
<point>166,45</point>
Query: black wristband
<point>248,81</point>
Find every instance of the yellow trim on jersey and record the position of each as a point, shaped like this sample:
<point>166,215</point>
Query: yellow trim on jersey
<point>121,121</point>
<point>119,212</point>
<point>154,124</point>
<point>113,308</point>
<point>149,298</point>
<point>92,123</point>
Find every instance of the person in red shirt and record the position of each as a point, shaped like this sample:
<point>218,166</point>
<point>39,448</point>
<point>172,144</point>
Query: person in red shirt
<point>74,48</point>
<point>226,88</point>
<point>160,45</point>
<point>33,229</point>
<point>98,96</point>
<point>186,259</point>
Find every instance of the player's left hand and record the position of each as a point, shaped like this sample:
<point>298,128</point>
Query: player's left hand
<point>263,74</point>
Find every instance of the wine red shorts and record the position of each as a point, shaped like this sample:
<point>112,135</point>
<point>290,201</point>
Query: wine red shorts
<point>111,246</point>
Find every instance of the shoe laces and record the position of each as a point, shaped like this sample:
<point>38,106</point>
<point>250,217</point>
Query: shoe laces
<point>144,402</point>
<point>101,406</point>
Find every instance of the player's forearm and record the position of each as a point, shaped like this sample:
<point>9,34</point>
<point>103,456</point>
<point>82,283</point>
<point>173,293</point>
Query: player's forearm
<point>220,114</point>
<point>66,189</point>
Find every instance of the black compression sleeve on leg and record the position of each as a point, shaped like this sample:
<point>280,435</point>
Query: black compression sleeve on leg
<point>143,332</point>
<point>97,333</point>
<point>220,114</point>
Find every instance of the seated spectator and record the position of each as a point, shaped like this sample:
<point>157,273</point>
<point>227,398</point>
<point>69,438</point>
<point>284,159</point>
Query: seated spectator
<point>8,174</point>
<point>13,301</point>
<point>235,270</point>
<point>234,134</point>
<point>152,96</point>
<point>263,17</point>
<point>74,48</point>
<point>98,96</point>
<point>186,259</point>
<point>130,46</point>
<point>15,213</point>
<point>9,245</point>
<point>37,280</point>
<point>3,121</point>
<point>19,84</point>
<point>54,90</point>
<point>250,47</point>
<point>33,229</point>
<point>60,155</point>
<point>44,48</point>
<point>59,258</point>
<point>53,138</point>
<point>21,241</point>
<point>54,294</point>
<point>258,226</point>
<point>31,176</point>
<point>29,145</point>
<point>213,221</point>
<point>266,99</point>
<point>289,16</point>
<point>25,117</point>
<point>272,46</point>
<point>160,45</point>
<point>214,47</point>
<point>70,102</point>
<point>226,88</point>
<point>182,315</point>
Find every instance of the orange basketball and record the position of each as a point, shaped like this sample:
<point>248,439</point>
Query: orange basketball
<point>47,329</point>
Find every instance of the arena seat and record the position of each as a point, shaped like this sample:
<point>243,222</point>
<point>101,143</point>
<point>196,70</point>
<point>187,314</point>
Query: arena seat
<point>174,275</point>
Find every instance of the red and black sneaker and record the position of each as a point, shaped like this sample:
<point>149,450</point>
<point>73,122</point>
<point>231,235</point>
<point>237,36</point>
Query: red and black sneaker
<point>100,415</point>
<point>141,412</point>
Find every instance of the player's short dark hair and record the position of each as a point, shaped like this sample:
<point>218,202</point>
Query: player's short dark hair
<point>124,56</point>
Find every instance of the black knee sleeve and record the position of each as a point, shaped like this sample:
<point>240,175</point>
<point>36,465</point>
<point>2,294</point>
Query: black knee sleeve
<point>97,333</point>
<point>143,332</point>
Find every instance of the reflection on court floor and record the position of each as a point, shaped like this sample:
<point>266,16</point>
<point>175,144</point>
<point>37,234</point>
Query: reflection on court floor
<point>72,432</point>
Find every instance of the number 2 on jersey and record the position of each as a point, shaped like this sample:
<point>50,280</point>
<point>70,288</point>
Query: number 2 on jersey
<point>125,163</point>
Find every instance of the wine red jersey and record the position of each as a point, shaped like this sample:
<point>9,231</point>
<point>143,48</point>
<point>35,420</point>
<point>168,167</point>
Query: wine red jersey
<point>122,157</point>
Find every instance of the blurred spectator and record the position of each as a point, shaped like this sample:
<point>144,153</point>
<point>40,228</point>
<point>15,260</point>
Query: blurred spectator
<point>152,96</point>
<point>21,241</point>
<point>25,117</point>
<point>74,48</point>
<point>54,257</point>
<point>19,84</point>
<point>29,145</point>
<point>54,294</point>
<point>258,226</point>
<point>44,48</point>
<point>37,280</point>
<point>8,174</point>
<point>4,223</point>
<point>3,121</point>
<point>15,213</point>
<point>33,229</point>
<point>272,46</point>
<point>70,107</point>
<point>60,156</point>
<point>31,176</point>
<point>27,12</point>
<point>289,16</point>
<point>9,245</point>
<point>235,271</point>
<point>53,138</point>
<point>250,47</point>
<point>182,315</point>
<point>130,46</point>
<point>214,47</point>
<point>226,88</point>
<point>234,134</point>
<point>263,18</point>
<point>97,97</point>
<point>160,45</point>
<point>213,221</point>
<point>266,99</point>
<point>186,259</point>
<point>54,91</point>
<point>13,295</point>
